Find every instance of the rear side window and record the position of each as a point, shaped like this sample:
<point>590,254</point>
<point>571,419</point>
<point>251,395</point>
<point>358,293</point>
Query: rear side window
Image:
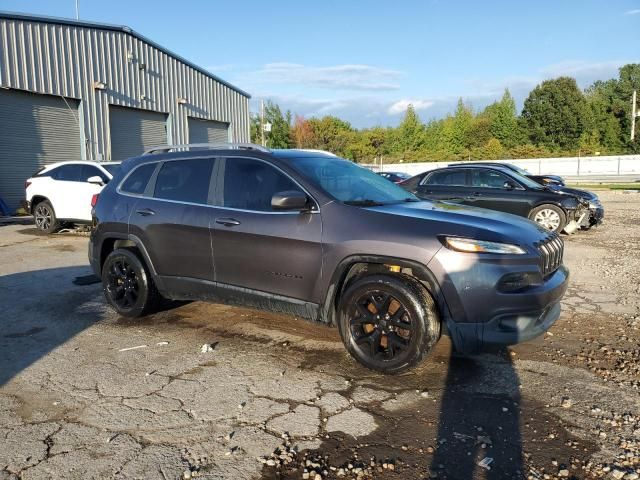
<point>136,183</point>
<point>69,173</point>
<point>250,184</point>
<point>184,180</point>
<point>450,178</point>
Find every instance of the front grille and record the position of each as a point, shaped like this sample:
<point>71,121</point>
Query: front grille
<point>551,250</point>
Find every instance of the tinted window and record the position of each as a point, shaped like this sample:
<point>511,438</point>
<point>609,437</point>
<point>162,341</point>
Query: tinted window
<point>488,178</point>
<point>250,184</point>
<point>137,181</point>
<point>454,178</point>
<point>112,168</point>
<point>69,173</point>
<point>91,171</point>
<point>184,180</point>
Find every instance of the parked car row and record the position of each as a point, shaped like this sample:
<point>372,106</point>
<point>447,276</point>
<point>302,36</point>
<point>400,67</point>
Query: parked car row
<point>509,189</point>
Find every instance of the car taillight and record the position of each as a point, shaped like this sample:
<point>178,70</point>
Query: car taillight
<point>94,199</point>
<point>26,184</point>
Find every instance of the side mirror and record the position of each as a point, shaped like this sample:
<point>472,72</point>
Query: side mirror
<point>508,186</point>
<point>96,180</point>
<point>290,200</point>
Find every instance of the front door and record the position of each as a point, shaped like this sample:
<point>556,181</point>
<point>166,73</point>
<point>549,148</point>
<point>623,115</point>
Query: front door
<point>490,190</point>
<point>257,247</point>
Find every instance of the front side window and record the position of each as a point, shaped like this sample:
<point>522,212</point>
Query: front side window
<point>89,171</point>
<point>250,184</point>
<point>137,181</point>
<point>349,183</point>
<point>69,173</point>
<point>451,178</point>
<point>482,178</point>
<point>184,180</point>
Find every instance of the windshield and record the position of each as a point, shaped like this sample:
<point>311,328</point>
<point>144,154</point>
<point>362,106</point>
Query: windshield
<point>518,169</point>
<point>527,181</point>
<point>111,168</point>
<point>349,183</point>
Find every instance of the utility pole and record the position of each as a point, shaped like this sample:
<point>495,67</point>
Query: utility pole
<point>634,114</point>
<point>77,9</point>
<point>262,121</point>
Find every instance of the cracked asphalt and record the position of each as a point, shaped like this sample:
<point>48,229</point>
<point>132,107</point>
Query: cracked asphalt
<point>86,394</point>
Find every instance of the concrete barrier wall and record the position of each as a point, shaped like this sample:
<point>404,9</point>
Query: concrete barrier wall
<point>572,166</point>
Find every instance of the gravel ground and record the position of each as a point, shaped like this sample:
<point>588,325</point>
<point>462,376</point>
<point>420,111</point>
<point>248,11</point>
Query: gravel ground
<point>86,394</point>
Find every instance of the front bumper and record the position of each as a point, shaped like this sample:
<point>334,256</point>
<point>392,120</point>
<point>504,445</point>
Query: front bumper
<point>482,315</point>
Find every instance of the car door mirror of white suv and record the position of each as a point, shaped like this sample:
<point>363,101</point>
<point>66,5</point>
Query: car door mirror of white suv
<point>96,179</point>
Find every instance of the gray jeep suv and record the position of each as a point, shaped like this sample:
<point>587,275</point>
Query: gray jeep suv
<point>312,235</point>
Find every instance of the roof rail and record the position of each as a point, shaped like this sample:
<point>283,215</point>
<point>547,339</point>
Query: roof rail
<point>209,146</point>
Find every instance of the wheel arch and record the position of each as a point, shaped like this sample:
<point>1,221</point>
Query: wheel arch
<point>113,241</point>
<point>36,199</point>
<point>354,266</point>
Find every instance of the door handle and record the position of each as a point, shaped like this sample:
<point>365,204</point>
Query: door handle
<point>227,222</point>
<point>145,212</point>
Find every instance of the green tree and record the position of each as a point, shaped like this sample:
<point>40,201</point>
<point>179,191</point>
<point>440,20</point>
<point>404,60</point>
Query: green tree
<point>503,120</point>
<point>331,134</point>
<point>279,136</point>
<point>555,114</point>
<point>409,136</point>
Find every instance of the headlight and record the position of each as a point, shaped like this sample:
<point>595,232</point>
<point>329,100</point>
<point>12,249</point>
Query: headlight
<point>481,246</point>
<point>594,204</point>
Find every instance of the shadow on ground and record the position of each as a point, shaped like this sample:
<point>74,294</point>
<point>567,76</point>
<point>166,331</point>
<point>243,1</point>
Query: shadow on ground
<point>42,310</point>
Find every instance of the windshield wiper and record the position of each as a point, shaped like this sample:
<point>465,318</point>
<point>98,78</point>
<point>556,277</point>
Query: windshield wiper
<point>363,203</point>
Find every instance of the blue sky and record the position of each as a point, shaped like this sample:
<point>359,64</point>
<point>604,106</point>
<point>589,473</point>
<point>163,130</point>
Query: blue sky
<point>366,60</point>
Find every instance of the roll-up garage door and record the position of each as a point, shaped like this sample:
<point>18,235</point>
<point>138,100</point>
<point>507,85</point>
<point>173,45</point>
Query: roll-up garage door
<point>133,131</point>
<point>207,131</point>
<point>35,130</point>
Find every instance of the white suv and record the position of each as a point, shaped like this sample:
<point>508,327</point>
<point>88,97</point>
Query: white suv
<point>63,192</point>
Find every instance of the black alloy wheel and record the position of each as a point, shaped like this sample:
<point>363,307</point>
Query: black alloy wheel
<point>387,322</point>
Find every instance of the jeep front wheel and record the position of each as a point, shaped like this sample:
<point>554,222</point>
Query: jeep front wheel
<point>388,323</point>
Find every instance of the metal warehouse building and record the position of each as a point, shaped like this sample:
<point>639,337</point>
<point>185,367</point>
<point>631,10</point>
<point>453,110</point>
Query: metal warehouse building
<point>74,90</point>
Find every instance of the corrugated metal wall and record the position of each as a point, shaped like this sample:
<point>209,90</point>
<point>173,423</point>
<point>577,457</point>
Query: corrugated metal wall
<point>67,60</point>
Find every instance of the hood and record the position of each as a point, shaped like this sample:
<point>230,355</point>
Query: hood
<point>584,194</point>
<point>461,220</point>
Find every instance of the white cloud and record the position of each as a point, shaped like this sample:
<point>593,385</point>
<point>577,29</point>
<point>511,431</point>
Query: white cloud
<point>401,106</point>
<point>633,12</point>
<point>336,77</point>
<point>581,69</point>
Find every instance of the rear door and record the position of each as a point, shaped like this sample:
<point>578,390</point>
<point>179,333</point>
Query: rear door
<point>489,191</point>
<point>256,247</point>
<point>172,216</point>
<point>66,191</point>
<point>450,185</point>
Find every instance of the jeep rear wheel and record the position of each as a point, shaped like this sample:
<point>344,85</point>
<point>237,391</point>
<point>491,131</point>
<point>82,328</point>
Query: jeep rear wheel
<point>388,323</point>
<point>127,285</point>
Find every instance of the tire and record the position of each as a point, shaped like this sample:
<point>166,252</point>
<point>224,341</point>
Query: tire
<point>384,346</point>
<point>45,217</point>
<point>550,217</point>
<point>127,284</point>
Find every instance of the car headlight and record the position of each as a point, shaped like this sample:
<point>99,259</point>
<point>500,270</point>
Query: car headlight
<point>594,204</point>
<point>481,246</point>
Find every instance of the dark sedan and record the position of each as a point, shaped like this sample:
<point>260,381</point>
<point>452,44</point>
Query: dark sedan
<point>500,188</point>
<point>596,210</point>
<point>395,177</point>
